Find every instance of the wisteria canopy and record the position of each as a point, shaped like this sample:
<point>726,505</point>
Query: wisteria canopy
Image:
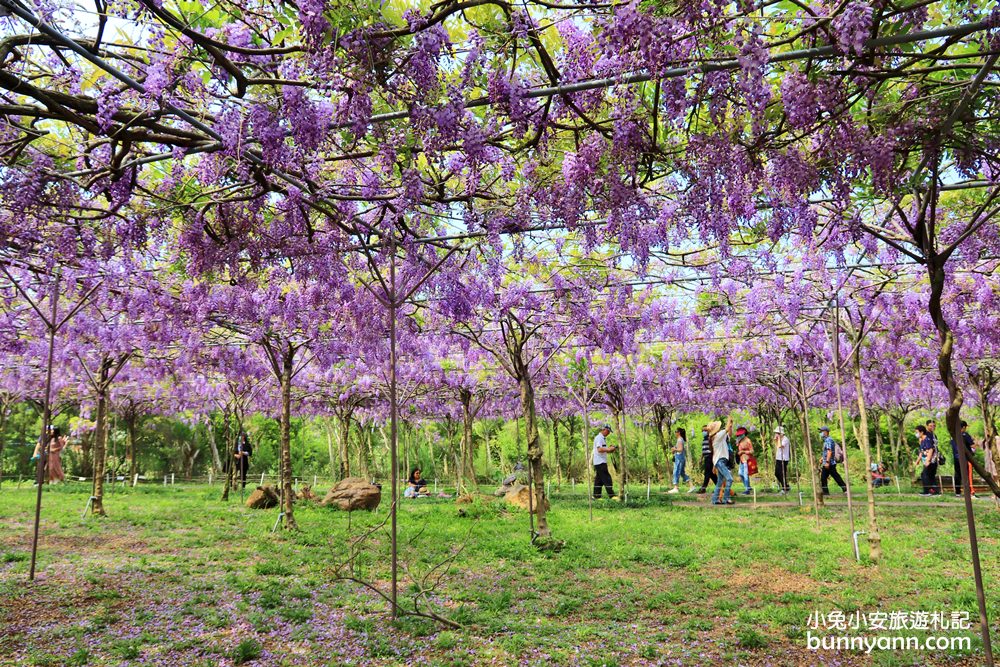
<point>476,207</point>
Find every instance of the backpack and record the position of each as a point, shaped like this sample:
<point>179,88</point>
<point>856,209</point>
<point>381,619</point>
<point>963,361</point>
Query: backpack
<point>838,453</point>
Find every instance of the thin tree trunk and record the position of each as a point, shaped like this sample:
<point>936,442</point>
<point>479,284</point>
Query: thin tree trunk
<point>465,396</point>
<point>100,448</point>
<point>230,459</point>
<point>659,416</point>
<point>343,432</point>
<point>286,437</point>
<point>874,539</point>
<point>4,413</point>
<point>534,451</point>
<point>216,460</point>
<point>810,458</point>
<point>555,451</point>
<point>133,467</point>
<point>877,418</point>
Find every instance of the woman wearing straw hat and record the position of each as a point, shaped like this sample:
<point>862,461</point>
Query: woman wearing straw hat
<point>720,459</point>
<point>782,455</point>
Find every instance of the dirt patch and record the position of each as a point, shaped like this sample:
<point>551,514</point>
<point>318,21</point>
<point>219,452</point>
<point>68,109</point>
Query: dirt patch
<point>772,580</point>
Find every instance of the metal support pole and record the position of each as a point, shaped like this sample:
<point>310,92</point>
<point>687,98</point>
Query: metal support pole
<point>90,503</point>
<point>857,551</point>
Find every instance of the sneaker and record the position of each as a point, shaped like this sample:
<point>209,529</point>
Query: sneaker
<point>615,498</point>
<point>673,490</point>
<point>747,492</point>
<point>975,497</point>
<point>701,491</point>
<point>925,495</point>
<point>959,495</point>
<point>691,490</point>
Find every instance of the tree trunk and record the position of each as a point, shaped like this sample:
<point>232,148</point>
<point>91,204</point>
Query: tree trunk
<point>100,448</point>
<point>807,437</point>
<point>4,413</point>
<point>329,446</point>
<point>216,461</point>
<point>343,432</point>
<point>555,451</point>
<point>286,438</point>
<point>534,450</point>
<point>660,416</point>
<point>133,468</point>
<point>465,396</point>
<point>877,418</point>
<point>572,439</point>
<point>230,461</point>
<point>874,539</point>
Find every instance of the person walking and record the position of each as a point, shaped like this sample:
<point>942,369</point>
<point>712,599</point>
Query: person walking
<point>928,460</point>
<point>242,455</point>
<point>970,447</point>
<point>931,427</point>
<point>599,458</point>
<point>829,462</point>
<point>744,451</point>
<point>782,455</point>
<point>680,461</point>
<point>54,466</point>
<point>721,461</point>
<point>706,460</point>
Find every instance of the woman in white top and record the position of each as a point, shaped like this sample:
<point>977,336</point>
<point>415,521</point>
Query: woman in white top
<point>782,455</point>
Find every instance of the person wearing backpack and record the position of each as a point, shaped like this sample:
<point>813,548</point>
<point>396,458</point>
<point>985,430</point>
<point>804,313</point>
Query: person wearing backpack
<point>706,460</point>
<point>928,461</point>
<point>833,454</point>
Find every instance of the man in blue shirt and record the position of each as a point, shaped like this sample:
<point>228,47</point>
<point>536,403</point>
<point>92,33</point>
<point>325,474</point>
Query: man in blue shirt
<point>930,426</point>
<point>829,463</point>
<point>970,447</point>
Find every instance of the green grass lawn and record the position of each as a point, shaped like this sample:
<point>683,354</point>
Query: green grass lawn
<point>175,577</point>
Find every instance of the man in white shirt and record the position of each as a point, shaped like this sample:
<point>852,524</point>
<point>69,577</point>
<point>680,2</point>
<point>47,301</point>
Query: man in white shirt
<point>782,455</point>
<point>600,460</point>
<point>722,461</point>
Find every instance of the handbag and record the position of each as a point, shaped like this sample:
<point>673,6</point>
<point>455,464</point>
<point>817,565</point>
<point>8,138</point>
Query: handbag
<point>752,465</point>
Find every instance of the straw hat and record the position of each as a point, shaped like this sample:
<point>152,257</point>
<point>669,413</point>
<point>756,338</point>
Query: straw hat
<point>713,428</point>
<point>780,430</point>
